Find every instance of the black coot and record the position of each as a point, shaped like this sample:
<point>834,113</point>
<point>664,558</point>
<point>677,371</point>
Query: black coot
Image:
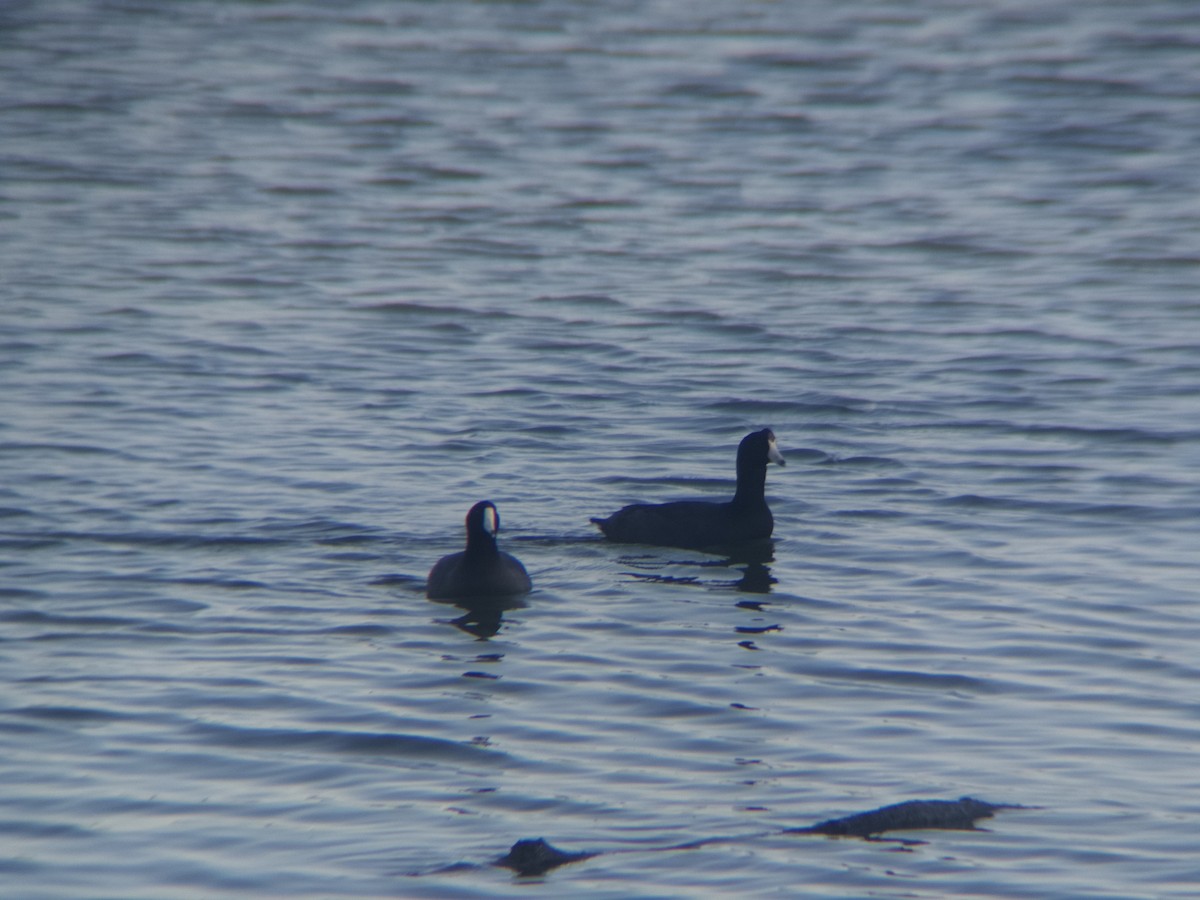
<point>482,570</point>
<point>696,524</point>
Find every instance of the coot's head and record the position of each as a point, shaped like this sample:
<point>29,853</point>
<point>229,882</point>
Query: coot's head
<point>758,448</point>
<point>483,519</point>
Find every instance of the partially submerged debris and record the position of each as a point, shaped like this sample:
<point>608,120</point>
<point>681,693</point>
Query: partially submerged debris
<point>534,856</point>
<point>911,815</point>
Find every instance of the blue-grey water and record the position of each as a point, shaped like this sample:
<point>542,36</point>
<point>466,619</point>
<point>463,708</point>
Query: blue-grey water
<point>286,287</point>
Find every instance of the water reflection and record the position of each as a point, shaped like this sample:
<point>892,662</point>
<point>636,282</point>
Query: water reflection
<point>483,615</point>
<point>750,559</point>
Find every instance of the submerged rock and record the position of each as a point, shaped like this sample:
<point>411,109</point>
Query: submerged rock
<point>533,856</point>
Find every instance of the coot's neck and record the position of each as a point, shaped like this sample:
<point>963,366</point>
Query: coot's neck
<point>751,484</point>
<point>481,544</point>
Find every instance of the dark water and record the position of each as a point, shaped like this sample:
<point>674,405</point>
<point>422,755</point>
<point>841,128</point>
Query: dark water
<point>288,287</point>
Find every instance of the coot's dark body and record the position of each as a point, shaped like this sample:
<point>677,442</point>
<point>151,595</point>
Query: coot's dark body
<point>481,570</point>
<point>697,524</point>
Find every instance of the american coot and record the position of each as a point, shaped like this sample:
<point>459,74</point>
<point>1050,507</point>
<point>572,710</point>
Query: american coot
<point>482,570</point>
<point>696,524</point>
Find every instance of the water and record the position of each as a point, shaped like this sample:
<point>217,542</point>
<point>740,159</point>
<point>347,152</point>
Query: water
<point>287,288</point>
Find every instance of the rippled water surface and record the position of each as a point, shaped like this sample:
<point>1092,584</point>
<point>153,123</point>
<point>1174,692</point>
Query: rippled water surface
<point>287,287</point>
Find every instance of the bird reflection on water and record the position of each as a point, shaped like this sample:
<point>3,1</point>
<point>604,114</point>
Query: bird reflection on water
<point>483,616</point>
<point>750,559</point>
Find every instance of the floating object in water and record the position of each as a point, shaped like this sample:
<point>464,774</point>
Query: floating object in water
<point>696,524</point>
<point>482,569</point>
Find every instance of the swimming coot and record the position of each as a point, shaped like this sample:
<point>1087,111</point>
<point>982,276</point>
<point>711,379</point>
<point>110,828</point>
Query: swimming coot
<point>696,524</point>
<point>482,570</point>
